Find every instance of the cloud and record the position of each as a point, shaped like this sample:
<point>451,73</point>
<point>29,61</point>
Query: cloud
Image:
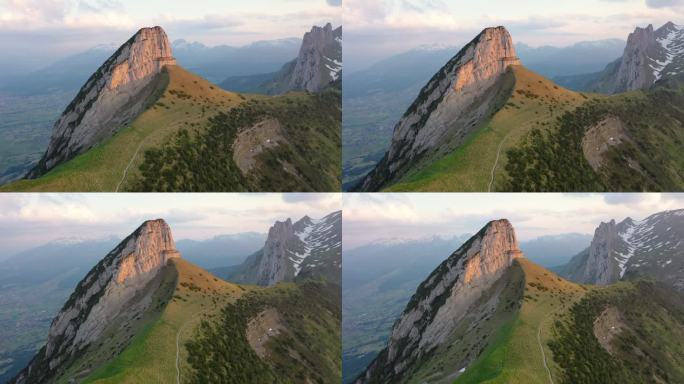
<point>206,23</point>
<point>303,197</point>
<point>100,5</point>
<point>624,198</point>
<point>334,3</point>
<point>664,3</point>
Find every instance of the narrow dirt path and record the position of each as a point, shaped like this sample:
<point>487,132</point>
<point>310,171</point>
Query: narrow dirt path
<point>496,162</point>
<point>180,330</point>
<point>541,348</point>
<point>125,172</point>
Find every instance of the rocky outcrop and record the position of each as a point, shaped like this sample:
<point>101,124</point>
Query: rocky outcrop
<point>320,59</point>
<point>112,98</point>
<point>650,248</point>
<point>110,292</point>
<point>600,265</point>
<point>443,300</point>
<point>452,105</point>
<point>649,56</point>
<point>318,65</point>
<point>309,248</point>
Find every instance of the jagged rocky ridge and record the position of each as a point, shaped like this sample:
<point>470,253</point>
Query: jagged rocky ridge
<point>308,248</point>
<point>455,102</point>
<point>317,66</point>
<point>116,289</point>
<point>443,300</point>
<point>319,62</point>
<point>652,248</point>
<point>649,56</point>
<point>111,98</point>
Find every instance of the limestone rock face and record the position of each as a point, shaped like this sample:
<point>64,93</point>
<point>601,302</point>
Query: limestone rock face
<point>111,98</point>
<point>650,248</point>
<point>318,64</point>
<point>111,290</point>
<point>273,266</point>
<point>453,103</point>
<point>443,299</point>
<point>649,56</point>
<point>320,59</point>
<point>308,248</point>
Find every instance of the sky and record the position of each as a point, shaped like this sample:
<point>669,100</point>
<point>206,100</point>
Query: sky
<point>37,28</point>
<point>410,216</point>
<point>30,220</point>
<point>377,29</point>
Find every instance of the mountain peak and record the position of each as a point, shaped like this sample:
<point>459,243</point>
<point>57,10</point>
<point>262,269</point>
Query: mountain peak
<point>116,290</point>
<point>443,299</point>
<point>649,56</point>
<point>458,98</point>
<point>319,61</point>
<point>111,98</point>
<point>633,248</point>
<point>309,248</point>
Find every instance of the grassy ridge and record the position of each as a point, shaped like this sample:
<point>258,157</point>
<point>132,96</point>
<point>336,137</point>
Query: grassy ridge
<point>307,351</point>
<point>202,160</point>
<point>151,354</point>
<point>552,160</point>
<point>515,356</point>
<point>648,347</point>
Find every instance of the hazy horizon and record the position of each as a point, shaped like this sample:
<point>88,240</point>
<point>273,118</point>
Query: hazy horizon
<point>378,29</point>
<point>33,31</point>
<point>409,216</point>
<point>30,220</point>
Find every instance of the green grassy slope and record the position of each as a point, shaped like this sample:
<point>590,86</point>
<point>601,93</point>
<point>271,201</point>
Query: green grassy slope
<point>647,326</point>
<point>307,156</point>
<point>650,159</point>
<point>535,102</point>
<point>515,355</point>
<point>306,348</point>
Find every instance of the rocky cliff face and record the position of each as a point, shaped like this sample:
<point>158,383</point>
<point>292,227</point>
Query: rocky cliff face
<point>110,292</point>
<point>454,103</point>
<point>320,59</point>
<point>309,248</point>
<point>443,299</point>
<point>651,248</point>
<point>113,97</point>
<point>318,64</point>
<point>649,56</point>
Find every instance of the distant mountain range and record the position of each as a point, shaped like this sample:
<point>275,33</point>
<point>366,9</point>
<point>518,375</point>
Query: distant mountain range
<point>219,62</point>
<point>214,63</point>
